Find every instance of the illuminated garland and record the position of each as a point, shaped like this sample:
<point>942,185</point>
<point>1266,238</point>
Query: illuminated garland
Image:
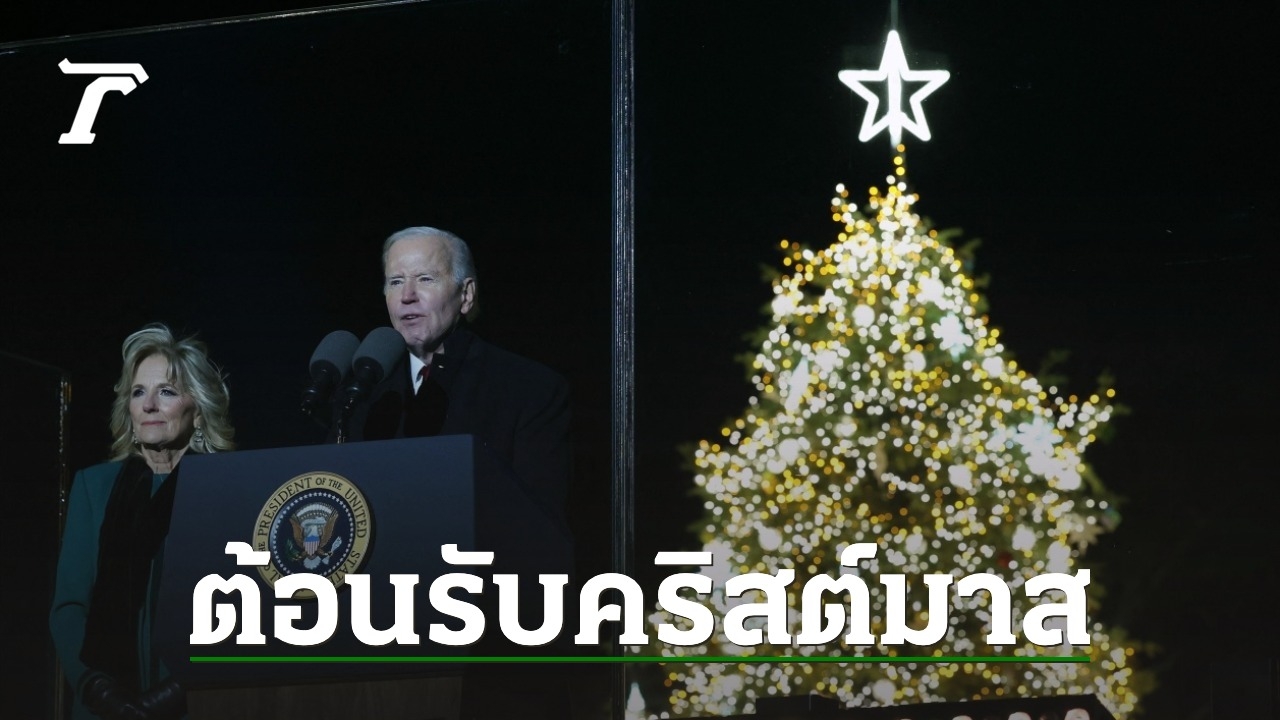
<point>888,410</point>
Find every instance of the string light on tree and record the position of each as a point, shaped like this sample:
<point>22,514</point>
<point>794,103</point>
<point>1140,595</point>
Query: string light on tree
<point>887,409</point>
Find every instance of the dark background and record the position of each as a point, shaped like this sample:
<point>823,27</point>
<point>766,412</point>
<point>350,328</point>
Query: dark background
<point>1115,161</point>
<point>244,191</point>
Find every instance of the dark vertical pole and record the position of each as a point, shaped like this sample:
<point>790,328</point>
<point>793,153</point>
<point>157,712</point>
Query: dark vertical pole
<point>623,524</point>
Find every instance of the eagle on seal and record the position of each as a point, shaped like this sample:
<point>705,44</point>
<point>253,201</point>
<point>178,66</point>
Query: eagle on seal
<point>312,528</point>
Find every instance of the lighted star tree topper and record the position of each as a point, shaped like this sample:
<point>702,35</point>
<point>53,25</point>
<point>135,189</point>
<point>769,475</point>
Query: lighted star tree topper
<point>887,409</point>
<point>893,72</point>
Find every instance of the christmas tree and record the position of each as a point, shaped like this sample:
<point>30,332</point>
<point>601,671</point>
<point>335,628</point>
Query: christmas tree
<point>887,409</point>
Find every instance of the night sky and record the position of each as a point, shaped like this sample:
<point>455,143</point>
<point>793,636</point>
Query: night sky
<point>1116,165</point>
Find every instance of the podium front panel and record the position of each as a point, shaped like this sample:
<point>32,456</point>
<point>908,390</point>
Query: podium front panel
<point>419,494</point>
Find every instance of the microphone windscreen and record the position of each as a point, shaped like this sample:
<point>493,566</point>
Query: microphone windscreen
<point>379,351</point>
<point>334,353</point>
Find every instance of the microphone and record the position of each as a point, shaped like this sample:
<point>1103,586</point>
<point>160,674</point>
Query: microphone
<point>330,363</point>
<point>379,351</point>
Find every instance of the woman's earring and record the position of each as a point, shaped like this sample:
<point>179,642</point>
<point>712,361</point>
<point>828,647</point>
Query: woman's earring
<point>198,438</point>
<point>135,438</point>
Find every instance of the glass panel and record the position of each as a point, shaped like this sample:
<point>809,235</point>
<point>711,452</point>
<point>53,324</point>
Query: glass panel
<point>243,190</point>
<point>35,439</point>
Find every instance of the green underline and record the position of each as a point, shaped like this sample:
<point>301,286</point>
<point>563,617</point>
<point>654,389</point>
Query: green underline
<point>637,659</point>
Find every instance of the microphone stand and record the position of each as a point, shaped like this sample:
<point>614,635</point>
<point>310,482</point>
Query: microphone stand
<point>342,428</point>
<point>367,375</point>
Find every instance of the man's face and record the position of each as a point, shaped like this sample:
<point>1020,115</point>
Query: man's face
<point>423,300</point>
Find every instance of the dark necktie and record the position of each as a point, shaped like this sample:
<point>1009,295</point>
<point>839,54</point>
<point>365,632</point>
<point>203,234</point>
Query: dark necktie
<point>426,410</point>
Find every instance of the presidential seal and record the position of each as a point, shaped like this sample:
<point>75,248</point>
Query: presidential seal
<point>318,523</point>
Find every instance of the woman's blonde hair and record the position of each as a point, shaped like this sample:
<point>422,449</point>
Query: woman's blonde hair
<point>192,372</point>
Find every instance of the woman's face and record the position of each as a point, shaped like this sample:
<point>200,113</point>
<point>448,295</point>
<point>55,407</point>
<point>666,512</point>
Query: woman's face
<point>163,415</point>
